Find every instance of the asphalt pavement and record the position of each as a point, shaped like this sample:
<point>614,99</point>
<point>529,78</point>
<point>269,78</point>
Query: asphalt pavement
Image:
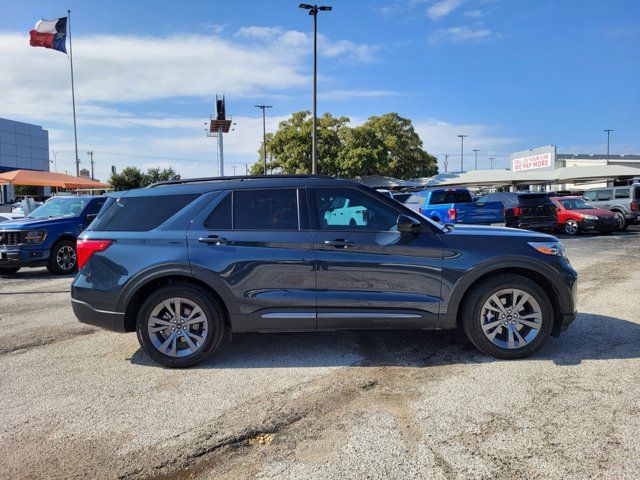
<point>78,402</point>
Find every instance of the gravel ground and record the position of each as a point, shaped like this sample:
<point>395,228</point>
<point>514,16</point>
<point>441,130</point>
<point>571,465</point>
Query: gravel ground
<point>77,402</point>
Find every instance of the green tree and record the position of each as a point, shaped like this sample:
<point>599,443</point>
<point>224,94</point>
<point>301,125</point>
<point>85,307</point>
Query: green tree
<point>386,145</point>
<point>129,178</point>
<point>383,145</point>
<point>289,149</point>
<point>158,174</point>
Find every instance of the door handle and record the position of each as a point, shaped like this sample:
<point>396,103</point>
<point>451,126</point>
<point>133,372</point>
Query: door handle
<point>213,240</point>
<point>339,243</point>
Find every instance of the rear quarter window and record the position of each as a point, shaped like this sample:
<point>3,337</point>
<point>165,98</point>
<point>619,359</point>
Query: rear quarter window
<point>623,192</point>
<point>140,214</point>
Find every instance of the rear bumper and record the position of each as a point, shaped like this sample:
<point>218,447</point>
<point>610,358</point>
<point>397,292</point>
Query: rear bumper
<point>549,223</point>
<point>85,313</point>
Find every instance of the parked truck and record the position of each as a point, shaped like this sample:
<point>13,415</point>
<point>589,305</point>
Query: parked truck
<point>455,205</point>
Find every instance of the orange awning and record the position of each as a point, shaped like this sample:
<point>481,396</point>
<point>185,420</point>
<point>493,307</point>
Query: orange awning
<point>48,179</point>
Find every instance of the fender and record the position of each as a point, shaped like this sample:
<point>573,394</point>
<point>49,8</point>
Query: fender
<point>143,278</point>
<point>460,286</point>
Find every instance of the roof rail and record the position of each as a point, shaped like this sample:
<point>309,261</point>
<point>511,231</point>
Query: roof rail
<point>236,177</point>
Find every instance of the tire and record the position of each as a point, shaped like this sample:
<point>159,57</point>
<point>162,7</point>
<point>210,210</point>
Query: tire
<point>622,222</point>
<point>63,259</point>
<point>180,353</point>
<point>570,227</point>
<point>9,271</point>
<point>474,314</point>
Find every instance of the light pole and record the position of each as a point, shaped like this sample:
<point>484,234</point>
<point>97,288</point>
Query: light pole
<point>446,162</point>
<point>264,135</point>
<point>608,130</point>
<point>491,160</point>
<point>462,152</point>
<point>91,155</point>
<point>476,152</point>
<point>313,11</point>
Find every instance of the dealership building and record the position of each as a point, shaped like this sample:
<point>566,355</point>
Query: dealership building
<point>23,146</point>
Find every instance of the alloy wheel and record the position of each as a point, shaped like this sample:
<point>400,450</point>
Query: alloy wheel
<point>571,227</point>
<point>177,327</point>
<point>66,258</point>
<point>511,318</point>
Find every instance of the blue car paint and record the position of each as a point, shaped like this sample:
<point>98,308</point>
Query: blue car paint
<point>56,228</point>
<point>422,277</point>
<point>465,212</point>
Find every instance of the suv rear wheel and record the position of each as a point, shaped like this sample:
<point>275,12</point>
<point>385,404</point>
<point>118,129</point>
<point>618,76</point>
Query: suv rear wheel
<point>622,222</point>
<point>63,258</point>
<point>508,316</point>
<point>180,325</point>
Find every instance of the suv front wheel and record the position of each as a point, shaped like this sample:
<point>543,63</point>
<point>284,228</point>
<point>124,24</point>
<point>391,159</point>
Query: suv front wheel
<point>180,325</point>
<point>508,316</point>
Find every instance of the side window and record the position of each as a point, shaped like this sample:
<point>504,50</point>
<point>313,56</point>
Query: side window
<point>604,195</point>
<point>437,198</point>
<point>623,192</point>
<point>589,196</point>
<point>415,199</point>
<point>360,212</point>
<point>220,218</point>
<point>95,207</point>
<point>267,209</point>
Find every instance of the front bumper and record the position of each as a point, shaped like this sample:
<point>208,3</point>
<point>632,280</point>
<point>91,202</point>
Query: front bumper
<point>600,224</point>
<point>16,257</point>
<point>99,318</point>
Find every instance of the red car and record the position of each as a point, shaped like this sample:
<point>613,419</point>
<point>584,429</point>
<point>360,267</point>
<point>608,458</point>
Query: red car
<point>575,215</point>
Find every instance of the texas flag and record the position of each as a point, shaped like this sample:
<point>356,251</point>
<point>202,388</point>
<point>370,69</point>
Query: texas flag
<point>50,34</point>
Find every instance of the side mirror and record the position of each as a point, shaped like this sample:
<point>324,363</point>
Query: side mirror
<point>408,224</point>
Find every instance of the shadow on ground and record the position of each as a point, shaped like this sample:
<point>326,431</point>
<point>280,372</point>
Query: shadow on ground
<point>591,337</point>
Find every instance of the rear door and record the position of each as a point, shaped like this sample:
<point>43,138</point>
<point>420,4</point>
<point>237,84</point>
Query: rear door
<point>369,275</point>
<point>256,243</point>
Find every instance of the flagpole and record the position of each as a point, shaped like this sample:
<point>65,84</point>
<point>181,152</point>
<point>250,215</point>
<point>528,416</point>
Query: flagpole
<point>73,95</point>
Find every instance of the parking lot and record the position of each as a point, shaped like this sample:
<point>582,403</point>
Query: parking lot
<point>79,402</point>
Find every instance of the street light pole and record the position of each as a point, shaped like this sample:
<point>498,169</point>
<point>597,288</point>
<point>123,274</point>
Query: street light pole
<point>313,11</point>
<point>608,130</point>
<point>462,152</point>
<point>476,152</point>
<point>491,160</point>
<point>264,135</point>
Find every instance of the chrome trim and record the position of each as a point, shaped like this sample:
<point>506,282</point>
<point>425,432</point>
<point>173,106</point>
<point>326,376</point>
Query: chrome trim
<point>366,315</point>
<point>95,309</point>
<point>289,315</point>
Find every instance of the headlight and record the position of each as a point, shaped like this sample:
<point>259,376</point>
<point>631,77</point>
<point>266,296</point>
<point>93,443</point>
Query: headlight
<point>35,237</point>
<point>548,248</point>
<point>590,217</point>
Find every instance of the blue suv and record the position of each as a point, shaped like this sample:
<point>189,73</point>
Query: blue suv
<point>186,263</point>
<point>47,236</point>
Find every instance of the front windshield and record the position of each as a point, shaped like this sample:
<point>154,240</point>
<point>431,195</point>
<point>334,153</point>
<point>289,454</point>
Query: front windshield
<point>576,204</point>
<point>60,207</point>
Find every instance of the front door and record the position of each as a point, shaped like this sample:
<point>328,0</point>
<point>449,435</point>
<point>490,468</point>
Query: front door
<point>369,275</point>
<point>255,248</point>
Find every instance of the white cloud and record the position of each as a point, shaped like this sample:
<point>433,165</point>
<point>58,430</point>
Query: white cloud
<point>442,8</point>
<point>461,35</point>
<point>474,14</point>
<point>440,138</point>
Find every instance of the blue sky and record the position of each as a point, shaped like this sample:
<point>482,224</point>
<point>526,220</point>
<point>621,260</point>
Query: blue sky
<point>512,74</point>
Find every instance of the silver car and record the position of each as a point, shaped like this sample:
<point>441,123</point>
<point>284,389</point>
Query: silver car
<point>623,201</point>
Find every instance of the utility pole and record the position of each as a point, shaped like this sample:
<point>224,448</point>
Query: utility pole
<point>234,170</point>
<point>462,152</point>
<point>91,156</point>
<point>264,135</point>
<point>476,152</point>
<point>491,160</point>
<point>246,169</point>
<point>446,162</point>
<point>313,11</point>
<point>608,130</point>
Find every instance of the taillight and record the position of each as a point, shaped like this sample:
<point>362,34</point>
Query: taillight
<point>634,206</point>
<point>517,211</point>
<point>452,213</point>
<point>85,248</point>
